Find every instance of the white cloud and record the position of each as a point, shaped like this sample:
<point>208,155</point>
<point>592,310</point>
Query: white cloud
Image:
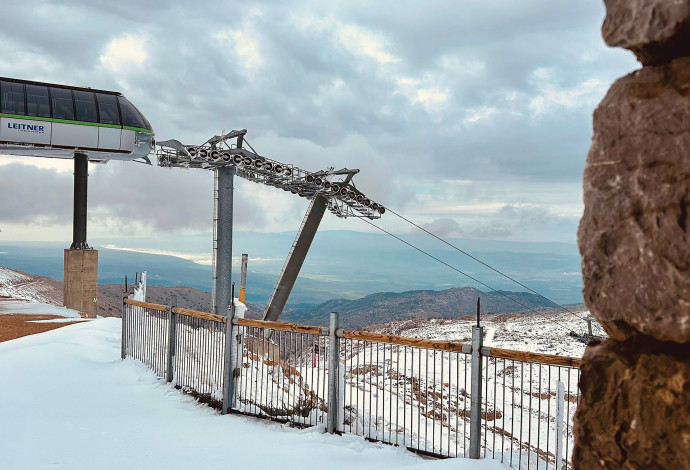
<point>479,114</point>
<point>430,97</point>
<point>423,92</point>
<point>550,97</point>
<point>60,165</point>
<point>244,44</point>
<point>360,41</point>
<point>125,51</point>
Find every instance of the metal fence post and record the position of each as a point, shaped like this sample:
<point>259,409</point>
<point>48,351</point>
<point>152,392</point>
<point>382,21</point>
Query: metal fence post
<point>476,404</point>
<point>123,339</point>
<point>333,363</point>
<point>560,401</point>
<point>234,367</point>
<point>172,303</point>
<point>228,373</point>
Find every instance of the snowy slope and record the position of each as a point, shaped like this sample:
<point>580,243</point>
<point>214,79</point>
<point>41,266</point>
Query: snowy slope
<point>540,333</point>
<point>68,401</point>
<point>16,285</point>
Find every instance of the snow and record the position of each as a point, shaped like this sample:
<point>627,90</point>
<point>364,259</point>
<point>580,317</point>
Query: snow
<point>73,403</point>
<point>542,333</point>
<point>18,307</point>
<point>10,277</point>
<point>61,320</point>
<point>15,285</point>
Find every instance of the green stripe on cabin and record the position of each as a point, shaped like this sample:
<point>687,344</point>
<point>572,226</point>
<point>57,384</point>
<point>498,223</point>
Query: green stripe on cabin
<point>80,123</point>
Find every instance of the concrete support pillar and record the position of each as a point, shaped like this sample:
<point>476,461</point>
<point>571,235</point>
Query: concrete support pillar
<point>80,286</point>
<point>81,281</point>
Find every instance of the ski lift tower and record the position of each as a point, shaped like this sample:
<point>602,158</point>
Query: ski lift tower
<point>226,155</point>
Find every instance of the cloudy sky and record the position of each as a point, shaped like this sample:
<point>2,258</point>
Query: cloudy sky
<point>471,117</point>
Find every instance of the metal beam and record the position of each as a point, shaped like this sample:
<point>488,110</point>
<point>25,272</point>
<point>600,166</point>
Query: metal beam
<point>295,258</point>
<point>81,183</point>
<point>222,289</point>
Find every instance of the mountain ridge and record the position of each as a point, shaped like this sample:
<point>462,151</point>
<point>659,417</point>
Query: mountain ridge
<point>376,308</point>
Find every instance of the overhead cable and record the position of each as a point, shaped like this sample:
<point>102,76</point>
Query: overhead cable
<point>483,263</point>
<point>465,274</point>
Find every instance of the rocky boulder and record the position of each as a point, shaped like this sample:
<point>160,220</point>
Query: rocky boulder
<point>656,31</point>
<point>633,410</point>
<point>634,235</point>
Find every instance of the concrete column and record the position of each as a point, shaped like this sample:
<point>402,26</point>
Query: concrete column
<point>81,281</point>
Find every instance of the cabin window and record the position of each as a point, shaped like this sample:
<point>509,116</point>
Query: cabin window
<point>12,97</point>
<point>37,101</point>
<point>85,104</point>
<point>131,116</point>
<point>63,108</point>
<point>107,109</point>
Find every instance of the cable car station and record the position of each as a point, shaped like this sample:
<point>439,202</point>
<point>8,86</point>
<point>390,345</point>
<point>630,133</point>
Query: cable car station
<point>56,121</point>
<point>87,125</point>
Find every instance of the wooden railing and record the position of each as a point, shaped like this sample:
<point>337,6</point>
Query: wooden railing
<point>452,346</point>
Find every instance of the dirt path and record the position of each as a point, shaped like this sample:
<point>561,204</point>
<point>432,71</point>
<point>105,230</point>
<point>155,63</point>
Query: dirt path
<point>16,326</point>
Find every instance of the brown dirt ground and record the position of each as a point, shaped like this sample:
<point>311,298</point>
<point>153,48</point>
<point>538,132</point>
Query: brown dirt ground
<point>16,326</point>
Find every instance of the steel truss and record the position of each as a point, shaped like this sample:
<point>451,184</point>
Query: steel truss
<point>343,198</point>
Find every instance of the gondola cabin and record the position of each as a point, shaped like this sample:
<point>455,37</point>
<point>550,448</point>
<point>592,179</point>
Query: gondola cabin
<point>47,120</point>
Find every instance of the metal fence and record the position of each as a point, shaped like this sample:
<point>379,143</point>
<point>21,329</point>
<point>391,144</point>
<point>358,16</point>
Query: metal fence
<point>281,374</point>
<point>405,394</point>
<point>144,335</point>
<point>183,346</point>
<point>403,391</point>
<point>527,421</point>
<point>198,354</point>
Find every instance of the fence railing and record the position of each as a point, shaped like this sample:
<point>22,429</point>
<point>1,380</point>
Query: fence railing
<point>403,391</point>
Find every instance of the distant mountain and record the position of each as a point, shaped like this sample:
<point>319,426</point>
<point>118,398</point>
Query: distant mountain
<point>384,307</point>
<point>340,264</point>
<point>381,307</point>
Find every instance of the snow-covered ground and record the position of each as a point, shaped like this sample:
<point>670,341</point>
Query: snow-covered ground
<point>16,285</point>
<point>19,307</point>
<point>403,395</point>
<point>544,333</point>
<point>68,401</point>
<point>21,294</point>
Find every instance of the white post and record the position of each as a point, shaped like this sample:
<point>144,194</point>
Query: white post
<point>560,428</point>
<point>143,284</point>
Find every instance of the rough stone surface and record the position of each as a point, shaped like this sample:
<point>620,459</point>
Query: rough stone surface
<point>656,31</point>
<point>634,235</point>
<point>633,410</point>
